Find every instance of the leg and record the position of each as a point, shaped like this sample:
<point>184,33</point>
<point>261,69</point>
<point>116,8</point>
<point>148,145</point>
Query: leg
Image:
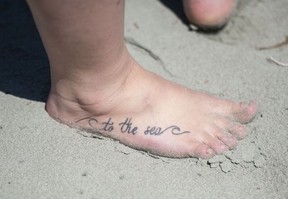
<point>209,14</point>
<point>97,86</point>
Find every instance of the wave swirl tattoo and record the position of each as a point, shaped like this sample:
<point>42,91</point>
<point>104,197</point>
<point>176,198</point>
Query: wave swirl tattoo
<point>175,130</point>
<point>127,126</point>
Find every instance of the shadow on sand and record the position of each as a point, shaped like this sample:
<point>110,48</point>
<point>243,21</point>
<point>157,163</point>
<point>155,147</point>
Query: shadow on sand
<point>24,68</point>
<point>177,8</point>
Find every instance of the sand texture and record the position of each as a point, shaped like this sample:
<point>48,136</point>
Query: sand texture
<point>40,158</point>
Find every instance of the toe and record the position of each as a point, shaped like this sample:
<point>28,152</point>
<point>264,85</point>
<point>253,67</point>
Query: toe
<point>238,130</point>
<point>229,131</point>
<point>222,122</point>
<point>215,143</point>
<point>244,112</point>
<point>218,146</point>
<point>229,140</point>
<point>201,150</point>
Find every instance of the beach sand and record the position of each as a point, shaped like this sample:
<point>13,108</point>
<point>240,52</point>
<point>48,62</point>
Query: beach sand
<point>40,158</point>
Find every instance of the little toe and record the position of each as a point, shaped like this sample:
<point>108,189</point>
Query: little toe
<point>201,150</point>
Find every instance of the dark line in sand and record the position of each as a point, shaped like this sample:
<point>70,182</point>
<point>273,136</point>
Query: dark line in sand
<point>278,45</point>
<point>132,42</point>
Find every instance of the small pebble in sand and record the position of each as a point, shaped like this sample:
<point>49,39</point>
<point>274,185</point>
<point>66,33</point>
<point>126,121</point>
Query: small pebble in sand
<point>121,177</point>
<point>84,174</point>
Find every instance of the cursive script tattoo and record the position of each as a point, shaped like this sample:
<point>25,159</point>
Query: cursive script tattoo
<point>92,122</point>
<point>95,125</point>
<point>107,126</point>
<point>126,127</point>
<point>175,130</point>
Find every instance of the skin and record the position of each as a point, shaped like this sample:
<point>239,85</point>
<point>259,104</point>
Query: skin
<point>209,14</point>
<point>97,86</point>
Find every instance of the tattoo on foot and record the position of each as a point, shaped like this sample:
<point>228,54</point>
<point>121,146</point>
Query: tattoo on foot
<point>127,127</point>
<point>175,130</point>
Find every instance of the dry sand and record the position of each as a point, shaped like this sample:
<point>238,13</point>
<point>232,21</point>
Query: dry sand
<point>40,158</point>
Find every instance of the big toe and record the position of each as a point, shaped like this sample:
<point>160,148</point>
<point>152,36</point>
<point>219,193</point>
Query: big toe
<point>244,112</point>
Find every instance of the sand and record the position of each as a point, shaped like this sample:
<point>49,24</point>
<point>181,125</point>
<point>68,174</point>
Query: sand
<point>40,158</point>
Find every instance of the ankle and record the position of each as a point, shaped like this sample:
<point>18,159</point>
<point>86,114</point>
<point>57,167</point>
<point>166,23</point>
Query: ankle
<point>78,93</point>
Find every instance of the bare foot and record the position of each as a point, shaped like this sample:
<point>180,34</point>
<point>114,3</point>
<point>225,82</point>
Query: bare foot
<point>208,14</point>
<point>147,112</point>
